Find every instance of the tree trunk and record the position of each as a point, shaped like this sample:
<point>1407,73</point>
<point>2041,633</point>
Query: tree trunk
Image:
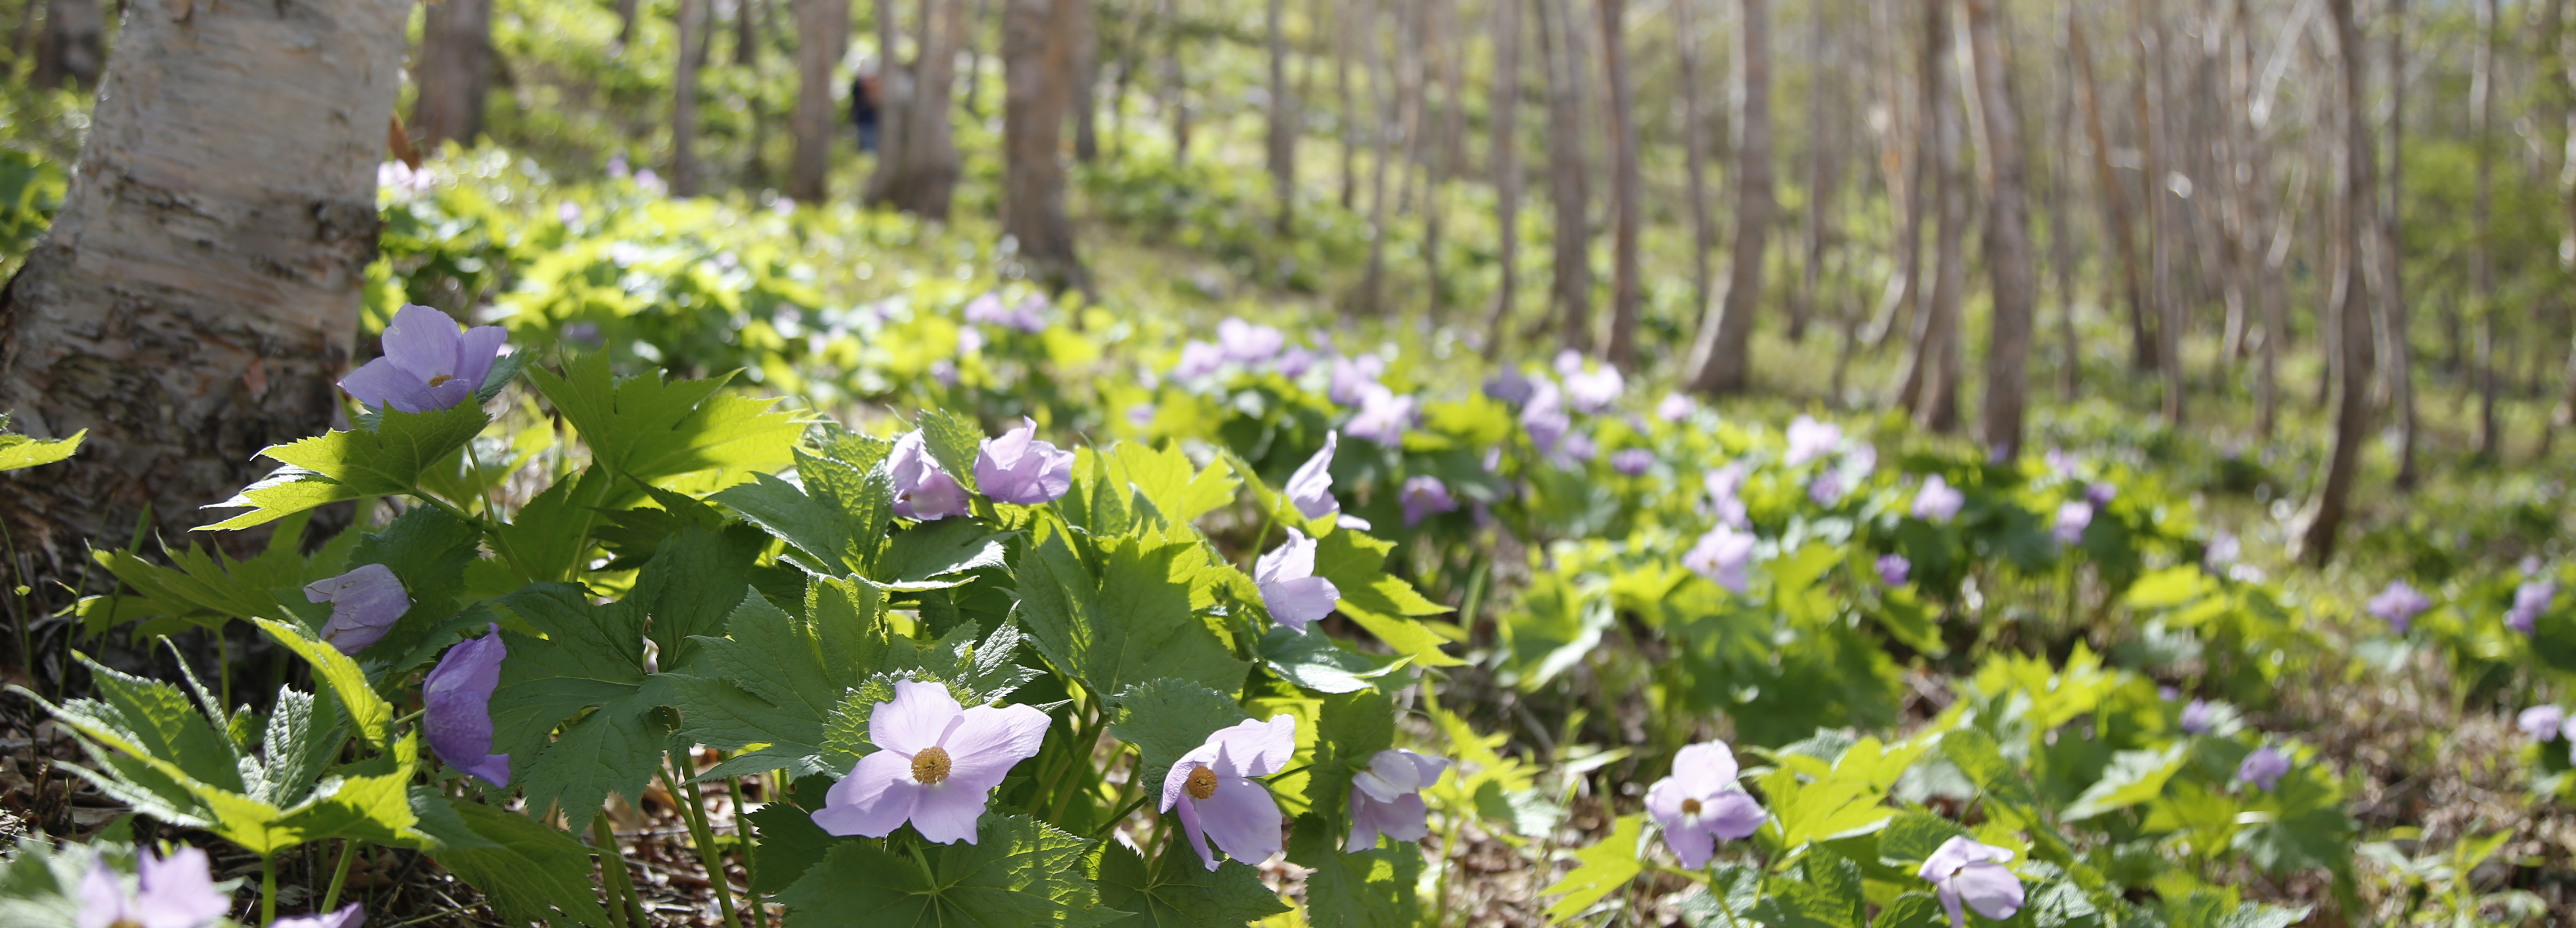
<point>626,10</point>
<point>1176,88</point>
<point>198,292</point>
<point>1906,170</point>
<point>1723,358</point>
<point>1349,121</point>
<point>1687,39</point>
<point>1441,44</point>
<point>1824,169</point>
<point>746,34</point>
<point>2008,252</point>
<point>2061,233</point>
<point>1625,188</point>
<point>1381,152</point>
<point>1503,116</point>
<point>454,72</point>
<point>821,28</point>
<point>1037,72</point>
<point>974,47</point>
<point>1560,53</point>
<point>2147,97</point>
<point>2481,271</point>
<point>2348,302</point>
<point>919,173</point>
<point>74,46</point>
<point>2396,348</point>
<point>1086,83</point>
<point>691,19</point>
<point>894,92</point>
<point>1283,119</point>
<point>2142,338</point>
<point>1924,346</point>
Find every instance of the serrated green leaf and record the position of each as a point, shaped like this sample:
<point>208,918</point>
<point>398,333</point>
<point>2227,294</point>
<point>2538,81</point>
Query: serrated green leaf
<point>18,452</point>
<point>1128,625</point>
<point>1912,836</point>
<point>691,586</point>
<point>1604,868</point>
<point>1181,896</point>
<point>765,684</point>
<point>531,873</point>
<point>940,549</point>
<point>369,713</point>
<point>1178,490</point>
<point>2007,792</point>
<point>954,440</point>
<point>789,844</point>
<point>654,431</point>
<point>1317,662</point>
<point>1383,604</point>
<point>428,551</point>
<point>1166,718</point>
<point>2132,778</point>
<point>382,461</point>
<point>592,656</point>
<point>1017,874</point>
<point>1371,889</point>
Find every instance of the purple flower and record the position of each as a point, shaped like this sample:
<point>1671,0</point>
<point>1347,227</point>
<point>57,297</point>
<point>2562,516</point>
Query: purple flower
<point>933,764</point>
<point>1424,496</point>
<point>1310,489</point>
<point>1937,501</point>
<point>1018,468</point>
<point>1544,416</point>
<point>1382,418</point>
<point>1964,871</point>
<point>2100,494</point>
<point>969,341</point>
<point>352,915</point>
<point>1289,587</point>
<point>173,892</point>
<point>2061,463</point>
<point>1211,785</point>
<point>428,365</point>
<point>986,309</point>
<point>1593,391</point>
<point>2529,601</point>
<point>944,371</point>
<point>1675,407</point>
<point>1723,484</point>
<point>617,166</point>
<point>921,490</point>
<point>1510,387</point>
<point>1632,462</point>
<point>1386,798</point>
<point>1722,556</point>
<point>364,604</point>
<point>1700,805</point>
<point>1029,314</point>
<point>1810,439</point>
<point>2264,768</point>
<point>1860,459</point>
<point>2071,520</point>
<point>568,212</point>
<point>2541,722</point>
<point>1248,344</point>
<point>1198,359</point>
<point>2222,551</point>
<point>1295,362</point>
<point>1576,447</point>
<point>1893,569</point>
<point>1140,415</point>
<point>2198,717</point>
<point>2398,605</point>
<point>456,707</point>
<point>1826,489</point>
<point>1352,377</point>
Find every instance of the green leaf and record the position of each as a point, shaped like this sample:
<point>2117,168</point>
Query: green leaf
<point>592,656</point>
<point>789,844</point>
<point>766,683</point>
<point>1166,718</point>
<point>1912,836</point>
<point>1605,868</point>
<point>1829,896</point>
<point>1181,894</point>
<point>785,512</point>
<point>1371,889</point>
<point>380,461</point>
<point>1388,607</point>
<point>1165,478</point>
<point>1019,873</point>
<point>1317,662</point>
<point>2007,792</point>
<point>690,587</point>
<point>1130,624</point>
<point>2133,777</point>
<point>654,431</point>
<point>939,549</point>
<point>428,550</point>
<point>18,452</point>
<point>530,873</point>
<point>372,715</point>
<point>954,440</point>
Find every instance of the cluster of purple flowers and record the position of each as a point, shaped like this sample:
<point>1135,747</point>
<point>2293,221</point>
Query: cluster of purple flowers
<point>2398,605</point>
<point>1028,315</point>
<point>177,891</point>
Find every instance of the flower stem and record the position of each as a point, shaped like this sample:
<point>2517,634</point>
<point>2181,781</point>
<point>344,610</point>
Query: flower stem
<point>695,814</point>
<point>339,875</point>
<point>742,837</point>
<point>268,889</point>
<point>612,864</point>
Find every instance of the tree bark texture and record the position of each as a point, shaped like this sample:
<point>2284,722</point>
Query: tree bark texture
<point>454,72</point>
<point>2349,301</point>
<point>2147,98</point>
<point>1381,153</point>
<point>2008,251</point>
<point>691,17</point>
<point>198,293</point>
<point>1503,117</point>
<point>74,45</point>
<point>1037,71</point>
<point>1824,167</point>
<point>1571,230</point>
<point>1282,136</point>
<point>1688,39</point>
<point>822,26</point>
<point>1723,362</point>
<point>1923,387</point>
<point>2397,352</point>
<point>2482,205</point>
<point>2123,226</point>
<point>1176,87</point>
<point>1626,189</point>
<point>919,173</point>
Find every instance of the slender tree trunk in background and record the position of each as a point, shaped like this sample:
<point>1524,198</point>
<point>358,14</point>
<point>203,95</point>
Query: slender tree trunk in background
<point>1722,361</point>
<point>1906,170</point>
<point>1824,170</point>
<point>920,177</point>
<point>2266,254</point>
<point>2349,302</point>
<point>1687,39</point>
<point>74,46</point>
<point>1626,188</point>
<point>2088,94</point>
<point>746,34</point>
<point>1086,82</point>
<point>23,40</point>
<point>1349,121</point>
<point>2563,67</point>
<point>2008,251</point>
<point>2147,98</point>
<point>1381,153</point>
<point>1937,329</point>
<point>1442,42</point>
<point>1503,116</point>
<point>2395,348</point>
<point>2481,271</point>
<point>821,26</point>
<point>1037,74</point>
<point>750,24</point>
<point>1283,119</point>
<point>691,19</point>
<point>626,10</point>
<point>2061,230</point>
<point>1923,326</point>
<point>454,72</point>
<point>1176,88</point>
<point>1570,228</point>
<point>974,43</point>
<point>198,292</point>
<point>894,94</point>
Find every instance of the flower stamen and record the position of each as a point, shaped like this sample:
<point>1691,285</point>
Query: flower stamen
<point>930,766</point>
<point>1690,807</point>
<point>1202,783</point>
<point>439,379</point>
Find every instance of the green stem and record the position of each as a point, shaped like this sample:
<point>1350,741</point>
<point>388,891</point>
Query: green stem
<point>268,889</point>
<point>708,856</point>
<point>612,860</point>
<point>742,838</point>
<point>408,719</point>
<point>1448,865</point>
<point>339,875</point>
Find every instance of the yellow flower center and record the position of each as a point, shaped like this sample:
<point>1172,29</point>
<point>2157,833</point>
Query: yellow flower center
<point>1202,783</point>
<point>930,766</point>
<point>439,379</point>
<point>1690,807</point>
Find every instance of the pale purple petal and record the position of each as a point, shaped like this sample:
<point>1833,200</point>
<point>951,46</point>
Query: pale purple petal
<point>2398,605</point>
<point>1196,830</point>
<point>1632,462</point>
<point>1544,416</point>
<point>1594,391</point>
<point>946,812</point>
<point>1365,813</point>
<point>456,701</point>
<point>1424,496</point>
<point>1675,407</point>
<point>988,741</point>
<point>1294,559</point>
<point>1241,819</point>
<point>364,605</point>
<point>1382,418</point>
<point>2541,722</point>
<point>352,915</point>
<point>177,891</point>
<point>2264,768</point>
<point>2071,520</point>
<point>1958,852</point>
<point>1249,748</point>
<point>1198,359</point>
<point>476,349</point>
<point>1017,468</point>
<point>1990,889</point>
<point>1294,603</point>
<point>1810,439</point>
<point>1310,489</point>
<point>1705,767</point>
<point>922,712</point>
<point>1731,815</point>
<point>1723,556</point>
<point>921,489</point>
<point>1245,343</point>
<point>873,800</point>
<point>423,342</point>
<point>380,384</point>
<point>2198,717</point>
<point>1937,501</point>
<point>1893,569</point>
<point>102,898</point>
<point>1406,819</point>
<point>1352,376</point>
